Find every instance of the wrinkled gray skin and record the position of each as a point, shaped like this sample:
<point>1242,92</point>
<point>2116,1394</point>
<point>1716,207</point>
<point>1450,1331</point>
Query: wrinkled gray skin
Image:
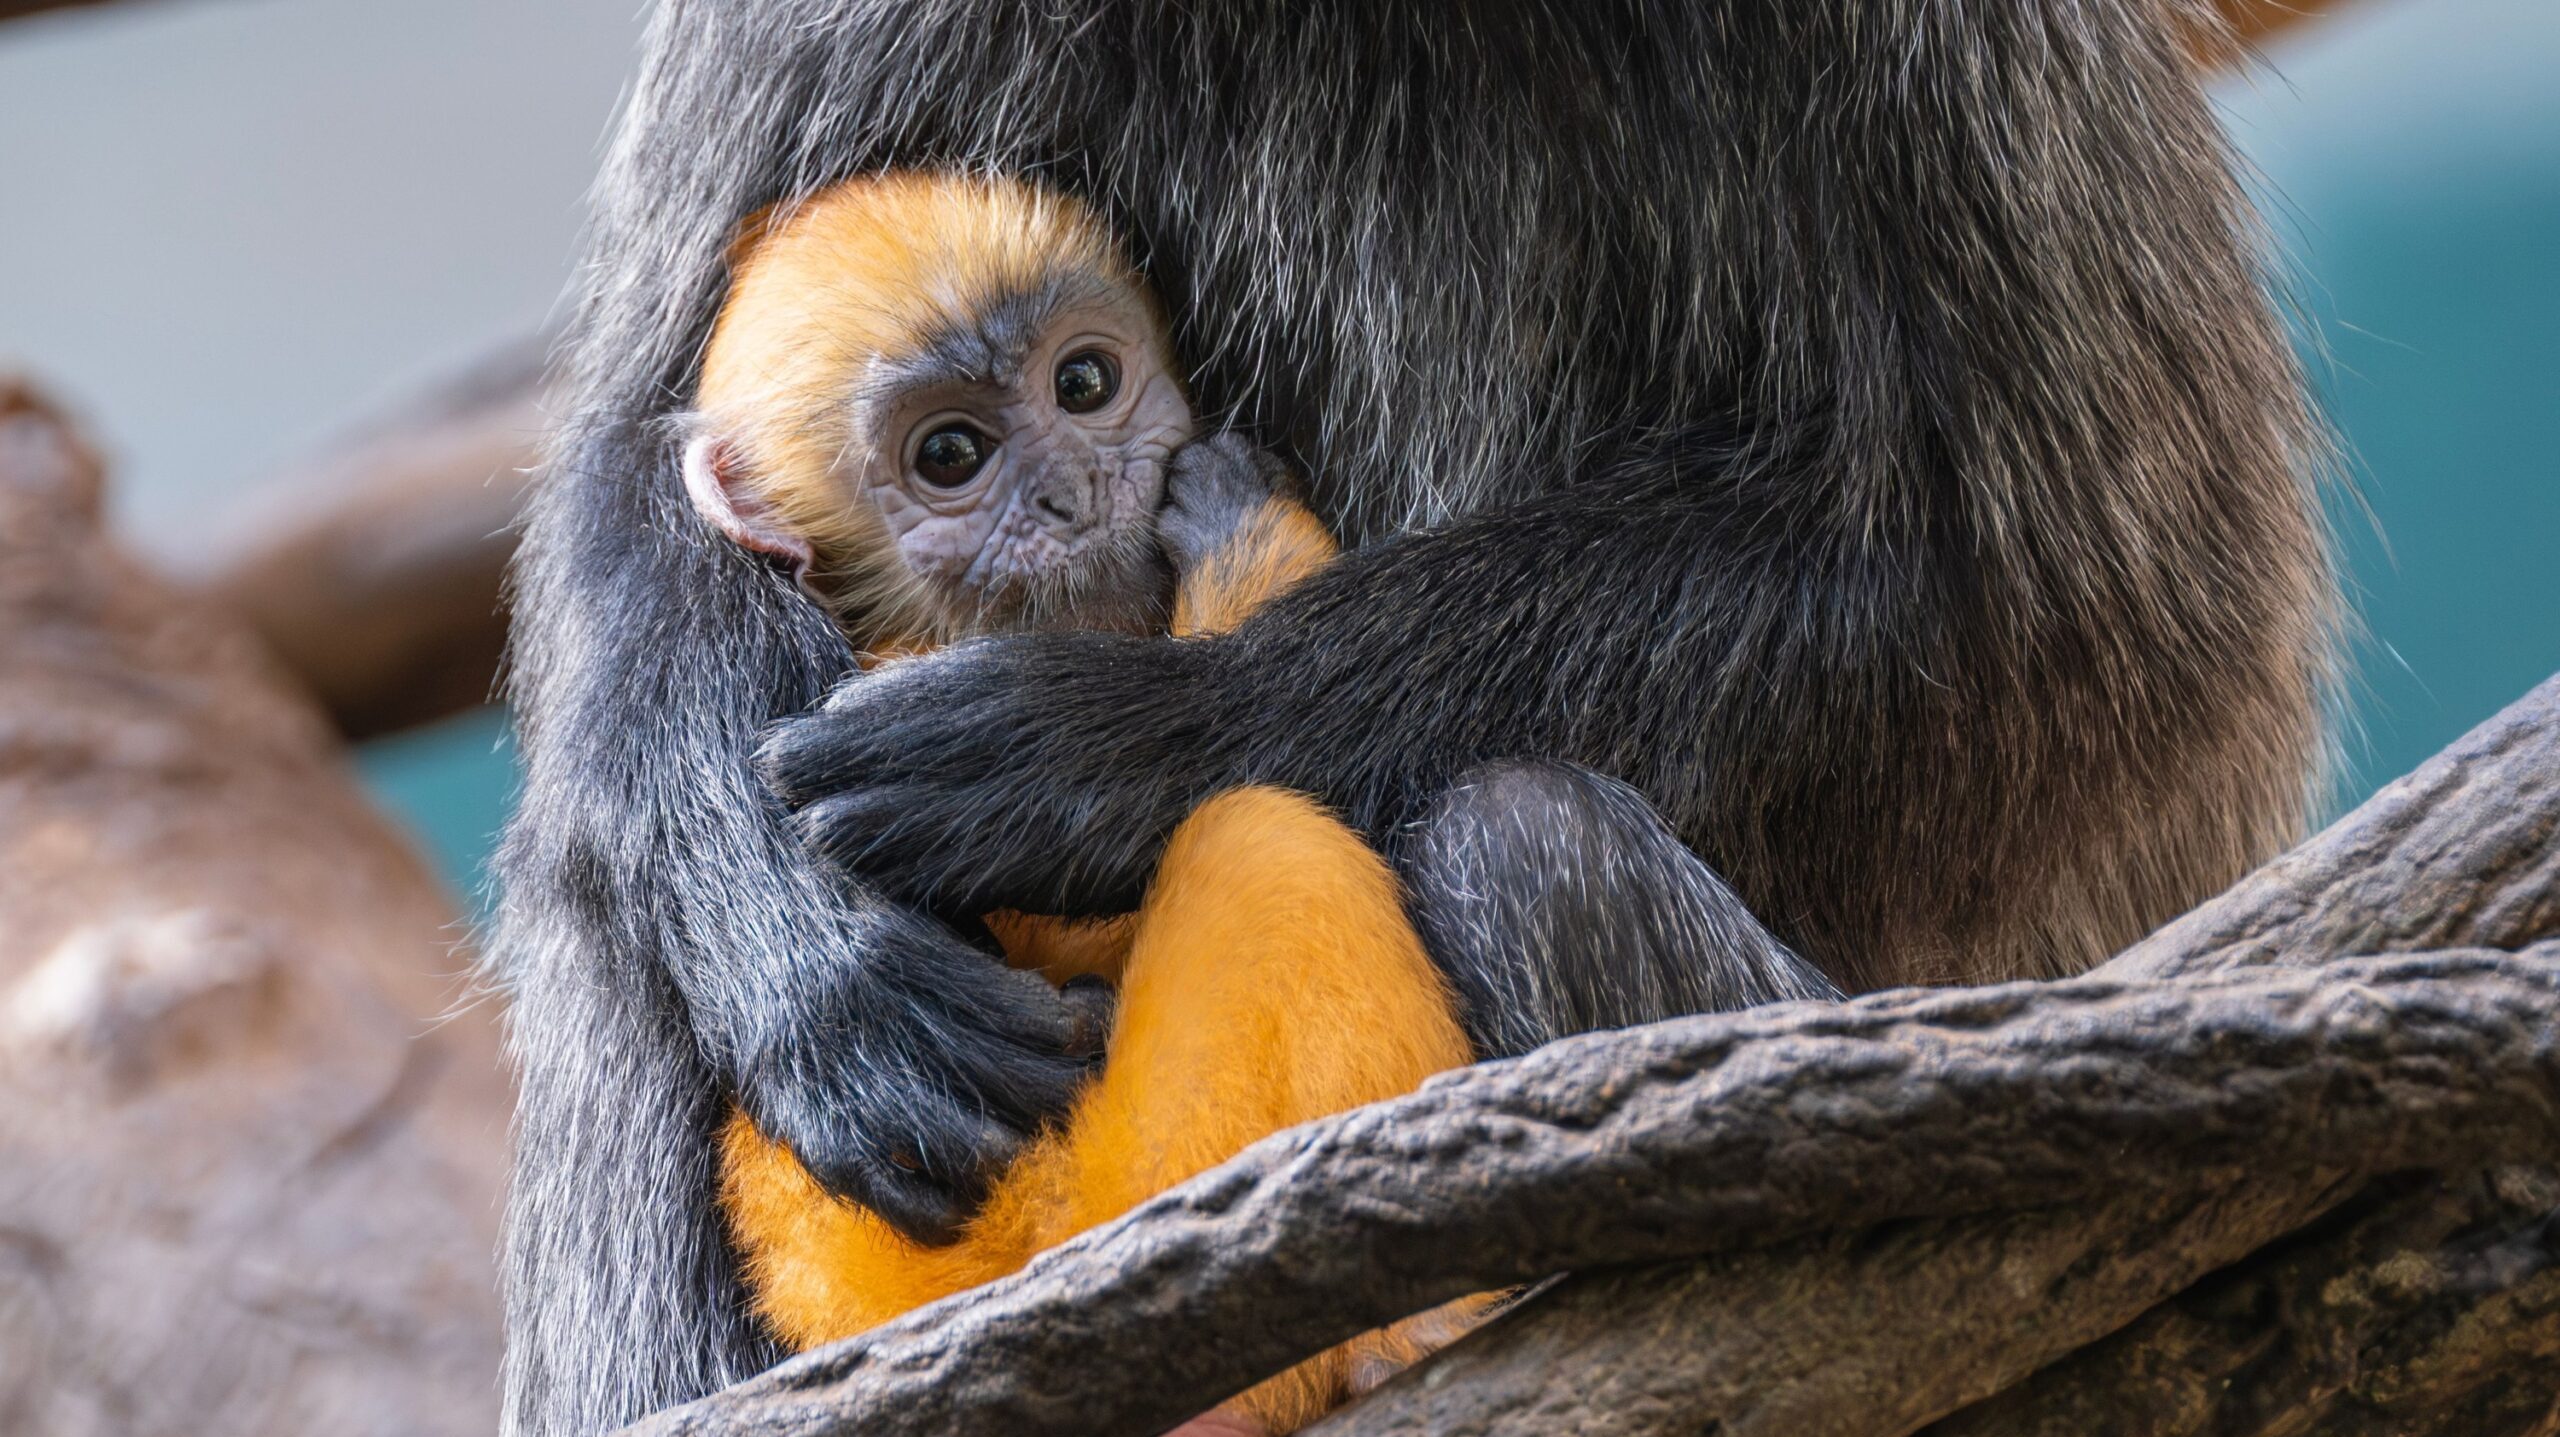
<point>1062,493</point>
<point>1856,427</point>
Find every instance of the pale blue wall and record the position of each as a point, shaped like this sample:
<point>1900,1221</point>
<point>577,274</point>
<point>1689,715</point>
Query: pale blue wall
<point>228,227</point>
<point>2411,149</point>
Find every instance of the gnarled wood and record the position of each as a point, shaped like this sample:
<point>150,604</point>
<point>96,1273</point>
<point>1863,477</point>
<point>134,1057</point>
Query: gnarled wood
<point>2427,1305</point>
<point>1704,1135</point>
<point>2166,1123</point>
<point>1854,1332</point>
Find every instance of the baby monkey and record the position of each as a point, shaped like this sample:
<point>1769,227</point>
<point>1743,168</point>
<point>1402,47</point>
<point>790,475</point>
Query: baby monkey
<point>950,403</point>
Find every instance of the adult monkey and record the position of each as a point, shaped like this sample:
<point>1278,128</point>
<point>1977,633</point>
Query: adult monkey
<point>1858,426</point>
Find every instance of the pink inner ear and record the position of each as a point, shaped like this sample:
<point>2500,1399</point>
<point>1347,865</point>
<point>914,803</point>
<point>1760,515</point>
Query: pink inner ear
<point>715,482</point>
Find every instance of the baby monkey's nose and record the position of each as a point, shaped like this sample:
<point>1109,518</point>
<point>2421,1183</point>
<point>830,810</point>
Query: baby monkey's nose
<point>1068,497</point>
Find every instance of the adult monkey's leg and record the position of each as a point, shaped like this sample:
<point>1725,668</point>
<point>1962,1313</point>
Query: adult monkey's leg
<point>1557,901</point>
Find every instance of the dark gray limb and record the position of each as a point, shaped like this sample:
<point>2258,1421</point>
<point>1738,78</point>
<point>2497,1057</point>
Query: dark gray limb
<point>1557,901</point>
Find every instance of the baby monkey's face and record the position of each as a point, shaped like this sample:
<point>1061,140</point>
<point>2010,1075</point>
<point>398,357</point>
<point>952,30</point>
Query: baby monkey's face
<point>1017,458</point>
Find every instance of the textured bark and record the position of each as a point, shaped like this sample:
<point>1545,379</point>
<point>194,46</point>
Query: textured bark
<point>1868,1331</point>
<point>1704,1135</point>
<point>2462,852</point>
<point>2011,1172</point>
<point>249,1172</point>
<point>2427,1305</point>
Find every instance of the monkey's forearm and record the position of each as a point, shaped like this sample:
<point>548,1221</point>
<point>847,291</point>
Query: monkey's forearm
<point>1280,543</point>
<point>897,1061</point>
<point>1238,533</point>
<point>998,773</point>
<point>900,1062</point>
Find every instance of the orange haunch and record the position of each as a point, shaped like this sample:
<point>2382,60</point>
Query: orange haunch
<point>1271,978</point>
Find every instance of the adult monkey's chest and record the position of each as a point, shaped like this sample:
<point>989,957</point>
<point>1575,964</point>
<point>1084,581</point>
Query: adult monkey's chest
<point>1438,255</point>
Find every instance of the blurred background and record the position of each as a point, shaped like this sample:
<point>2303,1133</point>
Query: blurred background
<point>234,229</point>
<point>290,263</point>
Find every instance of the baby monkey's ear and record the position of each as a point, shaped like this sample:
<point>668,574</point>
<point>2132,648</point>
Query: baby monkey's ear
<point>716,478</point>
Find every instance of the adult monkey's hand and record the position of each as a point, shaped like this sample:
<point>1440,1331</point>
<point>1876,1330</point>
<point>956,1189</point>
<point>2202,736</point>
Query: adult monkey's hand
<point>912,1110</point>
<point>903,1065</point>
<point>1033,772</point>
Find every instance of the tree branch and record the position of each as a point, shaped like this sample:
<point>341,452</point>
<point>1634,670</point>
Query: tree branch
<point>19,9</point>
<point>2255,20</point>
<point>1696,1136</point>
<point>1855,1332</point>
<point>2205,1114</point>
<point>2425,1306</point>
<point>374,573</point>
<point>249,1155</point>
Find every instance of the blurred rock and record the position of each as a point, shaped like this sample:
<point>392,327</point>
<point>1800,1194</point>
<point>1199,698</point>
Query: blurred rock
<point>374,571</point>
<point>250,1159</point>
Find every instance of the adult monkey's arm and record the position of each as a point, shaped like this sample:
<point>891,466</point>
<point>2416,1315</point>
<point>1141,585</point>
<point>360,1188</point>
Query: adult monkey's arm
<point>668,954</point>
<point>1043,773</point>
<point>667,949</point>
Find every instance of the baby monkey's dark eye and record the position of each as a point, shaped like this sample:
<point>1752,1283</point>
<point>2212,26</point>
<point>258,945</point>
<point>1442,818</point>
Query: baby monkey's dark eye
<point>1086,381</point>
<point>950,457</point>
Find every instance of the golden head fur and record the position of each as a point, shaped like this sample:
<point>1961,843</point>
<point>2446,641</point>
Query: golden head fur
<point>838,290</point>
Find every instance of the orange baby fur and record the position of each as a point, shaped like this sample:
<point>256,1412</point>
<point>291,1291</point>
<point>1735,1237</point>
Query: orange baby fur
<point>1277,546</point>
<point>1272,980</point>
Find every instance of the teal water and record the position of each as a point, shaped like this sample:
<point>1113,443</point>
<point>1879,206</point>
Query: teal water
<point>450,784</point>
<point>2410,153</point>
<point>2411,161</point>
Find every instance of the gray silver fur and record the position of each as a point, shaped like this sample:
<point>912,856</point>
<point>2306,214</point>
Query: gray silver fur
<point>1527,864</point>
<point>1913,504</point>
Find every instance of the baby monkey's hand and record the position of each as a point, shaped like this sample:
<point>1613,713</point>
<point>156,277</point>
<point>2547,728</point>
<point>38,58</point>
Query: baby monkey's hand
<point>1236,531</point>
<point>1213,491</point>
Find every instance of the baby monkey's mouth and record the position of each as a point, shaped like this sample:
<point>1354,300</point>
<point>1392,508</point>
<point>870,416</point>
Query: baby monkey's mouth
<point>1120,582</point>
<point>1114,575</point>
